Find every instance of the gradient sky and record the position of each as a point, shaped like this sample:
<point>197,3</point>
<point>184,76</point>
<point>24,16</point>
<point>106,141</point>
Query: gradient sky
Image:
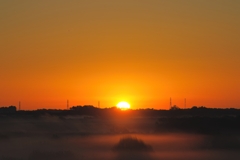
<point>140,51</point>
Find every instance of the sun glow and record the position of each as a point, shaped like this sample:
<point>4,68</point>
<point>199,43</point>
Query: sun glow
<point>123,105</point>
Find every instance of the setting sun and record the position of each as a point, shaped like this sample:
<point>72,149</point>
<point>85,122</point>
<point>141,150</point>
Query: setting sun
<point>123,105</point>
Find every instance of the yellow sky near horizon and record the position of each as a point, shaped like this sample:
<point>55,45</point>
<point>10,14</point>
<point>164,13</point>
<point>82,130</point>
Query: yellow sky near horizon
<point>140,51</point>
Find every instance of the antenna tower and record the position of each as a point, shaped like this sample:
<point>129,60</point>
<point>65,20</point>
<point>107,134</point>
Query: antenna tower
<point>67,104</point>
<point>185,103</point>
<point>98,104</point>
<point>170,102</point>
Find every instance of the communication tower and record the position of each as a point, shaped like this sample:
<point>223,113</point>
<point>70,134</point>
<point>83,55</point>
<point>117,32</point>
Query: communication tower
<point>67,104</point>
<point>170,102</point>
<point>185,103</point>
<point>19,105</point>
<point>98,104</point>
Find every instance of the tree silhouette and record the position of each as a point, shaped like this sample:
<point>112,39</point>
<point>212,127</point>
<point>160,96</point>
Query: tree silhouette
<point>175,107</point>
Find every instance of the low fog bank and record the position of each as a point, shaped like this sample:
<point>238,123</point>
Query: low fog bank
<point>61,126</point>
<point>139,146</point>
<point>85,138</point>
<point>207,125</point>
<point>57,127</point>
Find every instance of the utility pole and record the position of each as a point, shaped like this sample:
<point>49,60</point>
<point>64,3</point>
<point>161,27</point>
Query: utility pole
<point>185,103</point>
<point>170,102</point>
<point>19,105</point>
<point>98,104</point>
<point>67,104</point>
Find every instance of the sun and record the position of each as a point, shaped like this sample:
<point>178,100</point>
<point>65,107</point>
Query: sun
<point>123,105</point>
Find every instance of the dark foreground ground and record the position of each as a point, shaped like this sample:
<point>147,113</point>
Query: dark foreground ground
<point>48,136</point>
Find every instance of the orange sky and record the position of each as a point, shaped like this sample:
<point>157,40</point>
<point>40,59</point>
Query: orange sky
<point>143,52</point>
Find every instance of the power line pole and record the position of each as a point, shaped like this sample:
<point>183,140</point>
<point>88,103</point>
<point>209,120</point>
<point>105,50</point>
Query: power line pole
<point>67,104</point>
<point>19,105</point>
<point>185,103</point>
<point>170,102</point>
<point>98,104</point>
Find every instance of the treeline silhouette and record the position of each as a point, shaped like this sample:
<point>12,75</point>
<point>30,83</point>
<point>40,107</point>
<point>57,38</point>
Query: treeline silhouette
<point>10,109</point>
<point>192,120</point>
<point>90,110</point>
